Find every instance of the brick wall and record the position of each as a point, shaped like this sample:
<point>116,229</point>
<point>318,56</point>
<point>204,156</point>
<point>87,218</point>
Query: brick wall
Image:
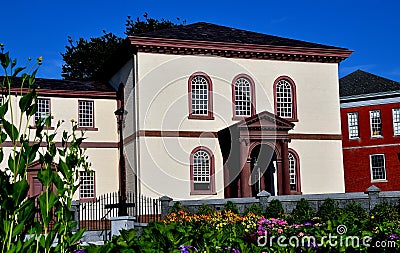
<point>356,153</point>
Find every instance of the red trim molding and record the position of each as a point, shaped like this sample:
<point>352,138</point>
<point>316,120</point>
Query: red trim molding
<point>212,173</point>
<point>209,115</point>
<point>315,137</point>
<point>85,144</point>
<point>252,97</point>
<point>188,134</point>
<point>238,50</point>
<point>199,134</point>
<point>68,93</point>
<point>294,99</point>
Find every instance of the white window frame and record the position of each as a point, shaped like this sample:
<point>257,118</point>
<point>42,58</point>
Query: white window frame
<point>377,123</point>
<point>200,99</point>
<point>43,109</point>
<point>396,121</point>
<point>284,99</point>
<point>243,92</point>
<point>87,187</point>
<point>353,127</point>
<point>292,171</point>
<point>85,115</point>
<point>384,179</point>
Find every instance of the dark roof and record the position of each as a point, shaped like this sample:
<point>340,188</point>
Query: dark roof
<point>66,85</point>
<point>361,83</point>
<point>203,31</point>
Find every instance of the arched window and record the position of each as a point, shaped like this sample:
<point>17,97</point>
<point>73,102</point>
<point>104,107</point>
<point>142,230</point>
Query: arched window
<point>285,98</point>
<point>200,96</point>
<point>243,96</point>
<point>202,171</point>
<point>294,172</point>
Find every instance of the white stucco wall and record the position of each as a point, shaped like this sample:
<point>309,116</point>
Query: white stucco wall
<point>167,162</point>
<point>162,105</point>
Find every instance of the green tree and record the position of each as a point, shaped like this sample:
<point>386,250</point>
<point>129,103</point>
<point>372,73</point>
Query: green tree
<point>83,58</point>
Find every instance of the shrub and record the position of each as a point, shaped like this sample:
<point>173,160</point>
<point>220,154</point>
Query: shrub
<point>178,207</point>
<point>205,209</point>
<point>230,206</point>
<point>354,210</point>
<point>385,212</point>
<point>254,208</point>
<point>303,211</point>
<point>329,210</point>
<point>274,209</point>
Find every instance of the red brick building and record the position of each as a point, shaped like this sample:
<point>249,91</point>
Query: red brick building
<point>370,115</point>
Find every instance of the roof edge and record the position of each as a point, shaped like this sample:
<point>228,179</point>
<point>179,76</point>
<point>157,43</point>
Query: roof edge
<point>179,46</point>
<point>369,96</point>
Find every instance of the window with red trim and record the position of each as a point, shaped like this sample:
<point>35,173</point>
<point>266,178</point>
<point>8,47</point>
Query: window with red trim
<point>200,96</point>
<point>243,97</point>
<point>202,171</point>
<point>285,98</point>
<point>294,171</point>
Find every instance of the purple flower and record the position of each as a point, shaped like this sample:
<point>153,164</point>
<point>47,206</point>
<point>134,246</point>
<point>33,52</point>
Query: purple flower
<point>185,249</point>
<point>393,237</point>
<point>307,223</point>
<point>79,251</point>
<point>231,249</point>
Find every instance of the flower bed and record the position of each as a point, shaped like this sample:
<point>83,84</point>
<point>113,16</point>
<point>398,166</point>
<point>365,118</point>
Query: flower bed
<point>230,232</point>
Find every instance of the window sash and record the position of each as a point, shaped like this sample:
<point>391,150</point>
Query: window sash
<point>201,167</point>
<point>43,109</point>
<point>243,97</point>
<point>378,169</point>
<point>396,121</point>
<point>87,185</point>
<point>284,99</point>
<point>200,100</point>
<point>352,119</point>
<point>376,123</point>
<point>292,172</point>
<point>86,114</point>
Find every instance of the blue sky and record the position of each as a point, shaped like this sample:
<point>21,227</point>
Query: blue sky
<point>370,27</point>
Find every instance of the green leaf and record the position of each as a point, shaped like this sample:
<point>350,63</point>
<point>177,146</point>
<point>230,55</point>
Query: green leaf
<point>26,101</point>
<point>17,71</point>
<point>32,110</point>
<point>64,169</point>
<point>45,176</point>
<point>5,59</point>
<point>11,164</point>
<point>13,63</point>
<point>18,229</point>
<point>3,137</point>
<point>78,235</point>
<point>20,191</point>
<point>3,109</point>
<point>11,130</point>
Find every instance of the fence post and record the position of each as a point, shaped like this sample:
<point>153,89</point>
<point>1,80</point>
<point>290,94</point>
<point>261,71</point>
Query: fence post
<point>373,195</point>
<point>263,198</point>
<point>75,213</point>
<point>165,201</point>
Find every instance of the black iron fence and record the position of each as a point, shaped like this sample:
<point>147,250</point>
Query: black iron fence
<point>95,214</point>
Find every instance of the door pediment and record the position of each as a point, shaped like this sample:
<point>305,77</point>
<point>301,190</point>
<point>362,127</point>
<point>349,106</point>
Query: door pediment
<point>265,121</point>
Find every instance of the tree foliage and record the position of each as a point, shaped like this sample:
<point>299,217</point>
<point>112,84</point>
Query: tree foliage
<point>83,58</point>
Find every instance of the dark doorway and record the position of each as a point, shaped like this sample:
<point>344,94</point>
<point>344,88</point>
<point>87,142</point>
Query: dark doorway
<point>263,169</point>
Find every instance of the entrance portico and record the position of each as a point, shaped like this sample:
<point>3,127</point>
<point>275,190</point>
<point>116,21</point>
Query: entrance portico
<point>257,144</point>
